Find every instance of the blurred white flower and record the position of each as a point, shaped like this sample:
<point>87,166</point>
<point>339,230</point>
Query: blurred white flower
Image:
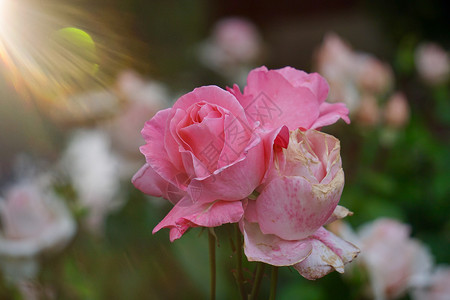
<point>94,172</point>
<point>34,221</point>
<point>395,262</point>
<point>433,63</point>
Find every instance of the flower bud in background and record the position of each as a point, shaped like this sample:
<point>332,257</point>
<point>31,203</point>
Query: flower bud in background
<point>283,226</point>
<point>394,261</point>
<point>94,172</point>
<point>396,111</point>
<point>368,113</point>
<point>34,221</point>
<point>432,63</point>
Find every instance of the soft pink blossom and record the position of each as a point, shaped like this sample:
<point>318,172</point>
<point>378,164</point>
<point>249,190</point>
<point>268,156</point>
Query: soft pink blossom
<point>351,74</point>
<point>396,112</point>
<point>142,100</point>
<point>288,97</point>
<point>238,38</point>
<point>433,63</point>
<point>200,154</point>
<point>284,225</point>
<point>33,221</point>
<point>368,113</point>
<point>371,74</point>
<point>234,43</point>
<point>395,262</point>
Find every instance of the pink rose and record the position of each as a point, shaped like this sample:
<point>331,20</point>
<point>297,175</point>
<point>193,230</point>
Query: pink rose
<point>204,156</point>
<point>283,226</point>
<point>288,97</point>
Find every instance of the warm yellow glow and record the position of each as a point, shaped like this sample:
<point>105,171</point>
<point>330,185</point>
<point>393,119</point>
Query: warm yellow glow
<point>49,59</point>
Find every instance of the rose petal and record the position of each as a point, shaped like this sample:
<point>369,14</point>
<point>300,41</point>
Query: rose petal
<point>149,182</point>
<point>271,99</point>
<point>212,95</point>
<point>235,181</point>
<point>186,214</point>
<point>204,141</point>
<point>329,253</point>
<point>155,151</point>
<point>339,212</point>
<point>330,113</point>
<point>293,208</point>
<point>313,81</point>
<point>270,249</point>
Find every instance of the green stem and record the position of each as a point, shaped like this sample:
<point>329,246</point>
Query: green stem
<point>257,281</point>
<point>212,263</point>
<point>240,276</point>
<point>273,283</point>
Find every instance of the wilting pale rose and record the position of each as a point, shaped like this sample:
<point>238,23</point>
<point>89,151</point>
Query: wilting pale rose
<point>395,262</point>
<point>33,221</point>
<point>433,63</point>
<point>94,171</point>
<point>284,225</point>
<point>288,97</point>
<point>396,112</point>
<point>438,288</point>
<point>204,156</point>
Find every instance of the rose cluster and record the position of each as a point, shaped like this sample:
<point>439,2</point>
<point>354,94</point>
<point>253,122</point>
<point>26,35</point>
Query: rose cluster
<point>255,158</point>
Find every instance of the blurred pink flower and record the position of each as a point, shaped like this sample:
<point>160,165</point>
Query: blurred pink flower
<point>439,287</point>
<point>372,75</point>
<point>34,221</point>
<point>271,97</point>
<point>283,226</point>
<point>142,100</point>
<point>395,262</point>
<point>351,74</point>
<point>433,63</point>
<point>396,112</point>
<point>233,42</point>
<point>238,39</point>
<point>368,113</point>
<point>204,156</point>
